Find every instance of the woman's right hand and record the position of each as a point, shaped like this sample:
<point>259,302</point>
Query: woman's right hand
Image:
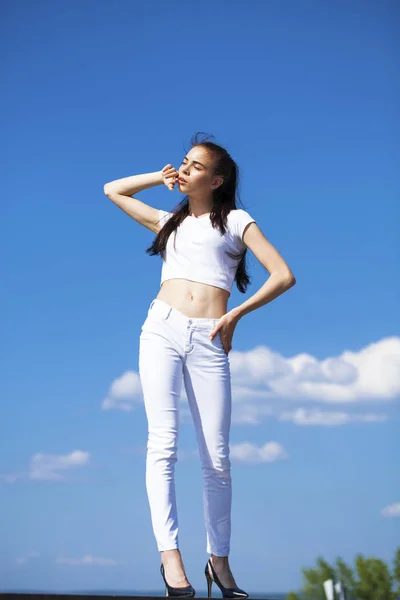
<point>170,176</point>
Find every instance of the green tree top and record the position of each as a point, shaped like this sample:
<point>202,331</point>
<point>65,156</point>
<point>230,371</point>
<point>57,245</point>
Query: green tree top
<point>370,579</point>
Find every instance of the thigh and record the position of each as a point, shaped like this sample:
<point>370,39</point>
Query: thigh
<point>160,372</point>
<point>207,381</point>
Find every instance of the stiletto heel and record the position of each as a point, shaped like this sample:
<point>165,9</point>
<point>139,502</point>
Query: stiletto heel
<point>209,584</point>
<point>186,592</point>
<point>226,592</point>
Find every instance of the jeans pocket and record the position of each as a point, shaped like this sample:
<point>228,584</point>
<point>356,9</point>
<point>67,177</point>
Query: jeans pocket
<point>216,342</point>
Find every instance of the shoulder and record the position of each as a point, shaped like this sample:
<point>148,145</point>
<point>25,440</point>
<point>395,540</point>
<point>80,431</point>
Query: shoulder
<point>238,219</point>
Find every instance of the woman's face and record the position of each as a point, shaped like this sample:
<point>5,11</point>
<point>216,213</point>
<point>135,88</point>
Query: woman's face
<point>197,170</point>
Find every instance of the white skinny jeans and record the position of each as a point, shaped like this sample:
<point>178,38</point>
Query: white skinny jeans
<point>172,345</point>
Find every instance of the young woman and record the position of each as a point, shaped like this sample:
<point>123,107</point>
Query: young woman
<point>188,335</point>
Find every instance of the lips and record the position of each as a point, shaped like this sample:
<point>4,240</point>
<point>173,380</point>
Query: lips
<point>182,180</point>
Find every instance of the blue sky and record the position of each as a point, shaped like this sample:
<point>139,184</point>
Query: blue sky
<point>303,97</point>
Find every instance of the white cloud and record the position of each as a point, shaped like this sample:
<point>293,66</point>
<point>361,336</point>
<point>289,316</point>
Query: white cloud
<point>393,510</point>
<point>315,416</point>
<point>51,466</point>
<point>87,561</point>
<point>372,373</point>
<point>124,392</point>
<point>249,453</point>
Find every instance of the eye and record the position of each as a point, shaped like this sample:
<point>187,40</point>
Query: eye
<point>197,168</point>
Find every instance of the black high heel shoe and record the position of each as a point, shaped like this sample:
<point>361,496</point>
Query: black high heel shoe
<point>226,592</point>
<point>186,592</point>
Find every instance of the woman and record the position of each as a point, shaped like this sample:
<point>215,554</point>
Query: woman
<point>188,334</point>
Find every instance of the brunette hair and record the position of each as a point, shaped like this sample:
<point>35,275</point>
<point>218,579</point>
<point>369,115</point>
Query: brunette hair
<point>224,200</point>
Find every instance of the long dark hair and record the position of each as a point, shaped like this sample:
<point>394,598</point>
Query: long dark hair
<point>224,200</point>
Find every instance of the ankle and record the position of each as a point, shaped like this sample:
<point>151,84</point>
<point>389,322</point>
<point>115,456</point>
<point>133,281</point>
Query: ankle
<point>220,560</point>
<point>170,555</point>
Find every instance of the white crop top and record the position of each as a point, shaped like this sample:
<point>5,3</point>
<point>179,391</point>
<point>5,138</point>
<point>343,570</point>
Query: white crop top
<point>200,249</point>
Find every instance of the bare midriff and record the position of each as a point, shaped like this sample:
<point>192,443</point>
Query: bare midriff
<point>194,299</point>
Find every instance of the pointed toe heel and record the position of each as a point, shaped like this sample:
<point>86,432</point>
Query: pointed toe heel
<point>211,577</point>
<point>186,592</point>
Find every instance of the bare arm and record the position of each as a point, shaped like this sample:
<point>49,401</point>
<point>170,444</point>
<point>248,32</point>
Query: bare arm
<point>281,277</point>
<point>120,192</point>
<point>134,184</point>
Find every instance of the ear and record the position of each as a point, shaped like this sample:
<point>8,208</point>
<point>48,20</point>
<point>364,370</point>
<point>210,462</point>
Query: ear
<point>217,182</point>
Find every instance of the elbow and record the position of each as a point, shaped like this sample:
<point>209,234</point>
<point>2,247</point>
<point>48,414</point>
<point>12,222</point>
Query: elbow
<point>109,190</point>
<point>288,279</point>
<point>291,281</point>
<point>106,189</point>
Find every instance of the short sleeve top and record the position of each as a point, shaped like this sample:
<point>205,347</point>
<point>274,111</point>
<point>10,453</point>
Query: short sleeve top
<point>199,251</point>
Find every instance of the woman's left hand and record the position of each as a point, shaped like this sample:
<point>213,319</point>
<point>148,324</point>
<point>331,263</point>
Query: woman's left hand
<point>226,325</point>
